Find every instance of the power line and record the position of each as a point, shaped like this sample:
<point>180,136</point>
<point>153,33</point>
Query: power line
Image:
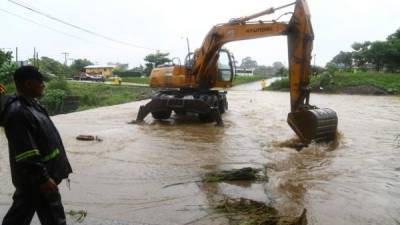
<point>79,28</point>
<point>47,27</point>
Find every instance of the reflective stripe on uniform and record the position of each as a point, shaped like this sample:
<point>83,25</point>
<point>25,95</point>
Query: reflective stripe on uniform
<point>52,155</point>
<point>27,154</point>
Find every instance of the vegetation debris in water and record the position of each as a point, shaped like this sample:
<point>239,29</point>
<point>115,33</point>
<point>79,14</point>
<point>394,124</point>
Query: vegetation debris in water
<point>249,212</point>
<point>79,215</point>
<point>244,174</point>
<point>83,137</point>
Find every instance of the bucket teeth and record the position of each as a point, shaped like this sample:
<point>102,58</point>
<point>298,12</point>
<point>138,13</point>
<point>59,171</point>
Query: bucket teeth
<point>314,125</point>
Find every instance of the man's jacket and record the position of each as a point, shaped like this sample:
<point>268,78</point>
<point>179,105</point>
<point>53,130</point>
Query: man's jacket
<point>36,150</point>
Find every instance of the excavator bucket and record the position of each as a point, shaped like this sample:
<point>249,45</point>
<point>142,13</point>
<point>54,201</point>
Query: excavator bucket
<point>317,125</point>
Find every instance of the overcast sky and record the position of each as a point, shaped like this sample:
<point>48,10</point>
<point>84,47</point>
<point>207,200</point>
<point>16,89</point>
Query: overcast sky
<point>164,25</point>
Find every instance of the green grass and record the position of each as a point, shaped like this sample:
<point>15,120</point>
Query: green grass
<point>139,80</point>
<point>279,85</point>
<point>238,79</point>
<point>247,79</point>
<point>387,82</point>
<point>96,95</point>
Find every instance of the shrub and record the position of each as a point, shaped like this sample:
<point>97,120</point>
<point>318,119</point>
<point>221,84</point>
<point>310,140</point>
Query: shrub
<point>282,84</point>
<point>53,100</point>
<point>59,83</point>
<point>6,73</point>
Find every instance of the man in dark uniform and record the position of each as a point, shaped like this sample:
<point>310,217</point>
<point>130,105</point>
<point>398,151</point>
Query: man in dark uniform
<point>37,157</point>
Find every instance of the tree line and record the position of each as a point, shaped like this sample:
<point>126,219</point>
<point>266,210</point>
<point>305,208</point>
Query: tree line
<point>377,55</point>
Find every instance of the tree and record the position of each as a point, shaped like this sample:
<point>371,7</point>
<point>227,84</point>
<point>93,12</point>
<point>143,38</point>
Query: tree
<point>6,67</point>
<point>382,55</point>
<point>359,54</point>
<point>394,36</point>
<point>277,65</point>
<point>343,58</point>
<point>393,54</point>
<point>5,57</point>
<point>6,73</point>
<point>264,70</point>
<point>119,67</point>
<point>50,66</point>
<point>154,60</point>
<point>78,65</point>
<point>317,70</point>
<point>248,63</point>
<point>282,72</point>
<point>377,54</point>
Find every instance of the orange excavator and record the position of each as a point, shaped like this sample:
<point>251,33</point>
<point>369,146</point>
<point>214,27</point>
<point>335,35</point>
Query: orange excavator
<point>191,88</point>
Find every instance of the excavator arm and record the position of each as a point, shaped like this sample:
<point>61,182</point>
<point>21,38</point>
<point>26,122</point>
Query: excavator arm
<point>309,122</point>
<point>206,57</point>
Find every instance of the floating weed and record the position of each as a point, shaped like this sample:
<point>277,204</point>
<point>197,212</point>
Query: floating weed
<point>249,212</point>
<point>244,174</point>
<point>79,215</point>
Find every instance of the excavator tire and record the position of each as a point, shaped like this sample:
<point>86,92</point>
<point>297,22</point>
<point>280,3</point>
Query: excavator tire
<point>223,105</point>
<point>319,125</point>
<point>206,117</point>
<point>161,115</point>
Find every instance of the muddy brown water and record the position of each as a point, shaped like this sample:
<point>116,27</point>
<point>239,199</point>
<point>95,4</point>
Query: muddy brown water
<point>124,176</point>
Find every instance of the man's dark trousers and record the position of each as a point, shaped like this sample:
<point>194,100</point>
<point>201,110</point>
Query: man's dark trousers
<point>48,207</point>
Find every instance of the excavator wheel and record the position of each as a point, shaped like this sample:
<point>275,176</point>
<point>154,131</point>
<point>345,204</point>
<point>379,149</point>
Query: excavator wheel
<point>206,117</point>
<point>318,125</point>
<point>223,105</point>
<point>161,115</point>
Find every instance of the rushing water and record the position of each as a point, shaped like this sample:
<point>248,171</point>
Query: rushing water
<point>124,177</point>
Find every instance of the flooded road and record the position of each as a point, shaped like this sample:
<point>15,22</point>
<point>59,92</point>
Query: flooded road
<point>255,86</point>
<point>124,177</point>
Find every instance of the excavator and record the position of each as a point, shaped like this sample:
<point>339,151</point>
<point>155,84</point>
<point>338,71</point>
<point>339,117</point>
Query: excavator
<point>195,86</point>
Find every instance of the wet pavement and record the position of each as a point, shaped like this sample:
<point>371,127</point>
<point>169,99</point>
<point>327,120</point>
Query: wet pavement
<point>123,179</point>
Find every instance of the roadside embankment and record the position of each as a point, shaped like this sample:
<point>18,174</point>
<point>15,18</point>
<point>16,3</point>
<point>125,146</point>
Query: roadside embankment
<point>365,83</point>
<point>247,79</point>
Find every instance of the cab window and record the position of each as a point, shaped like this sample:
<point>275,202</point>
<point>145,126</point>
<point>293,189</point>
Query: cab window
<point>224,67</point>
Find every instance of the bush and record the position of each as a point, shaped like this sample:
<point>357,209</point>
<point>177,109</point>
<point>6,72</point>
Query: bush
<point>281,85</point>
<point>324,81</point>
<point>53,100</point>
<point>59,83</point>
<point>129,74</point>
<point>6,73</point>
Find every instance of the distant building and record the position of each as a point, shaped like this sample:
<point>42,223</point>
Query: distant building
<point>244,72</point>
<point>105,71</point>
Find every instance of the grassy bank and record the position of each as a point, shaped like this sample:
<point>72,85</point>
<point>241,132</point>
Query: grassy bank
<point>238,79</point>
<point>138,80</point>
<point>94,95</point>
<point>244,79</point>
<point>351,83</point>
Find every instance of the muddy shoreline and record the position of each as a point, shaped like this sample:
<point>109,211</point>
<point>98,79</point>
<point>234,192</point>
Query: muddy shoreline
<point>350,90</point>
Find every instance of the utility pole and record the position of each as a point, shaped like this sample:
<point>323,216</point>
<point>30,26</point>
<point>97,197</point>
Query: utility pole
<point>34,56</point>
<point>16,55</point>
<point>66,54</point>
<point>314,58</point>
<point>37,59</point>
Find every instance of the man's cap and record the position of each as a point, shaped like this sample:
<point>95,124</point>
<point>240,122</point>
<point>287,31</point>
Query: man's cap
<point>28,73</point>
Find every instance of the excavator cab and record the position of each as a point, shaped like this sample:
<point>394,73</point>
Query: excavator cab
<point>226,69</point>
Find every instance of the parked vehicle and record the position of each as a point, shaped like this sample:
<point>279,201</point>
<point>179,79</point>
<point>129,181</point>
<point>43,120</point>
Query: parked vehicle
<point>89,77</point>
